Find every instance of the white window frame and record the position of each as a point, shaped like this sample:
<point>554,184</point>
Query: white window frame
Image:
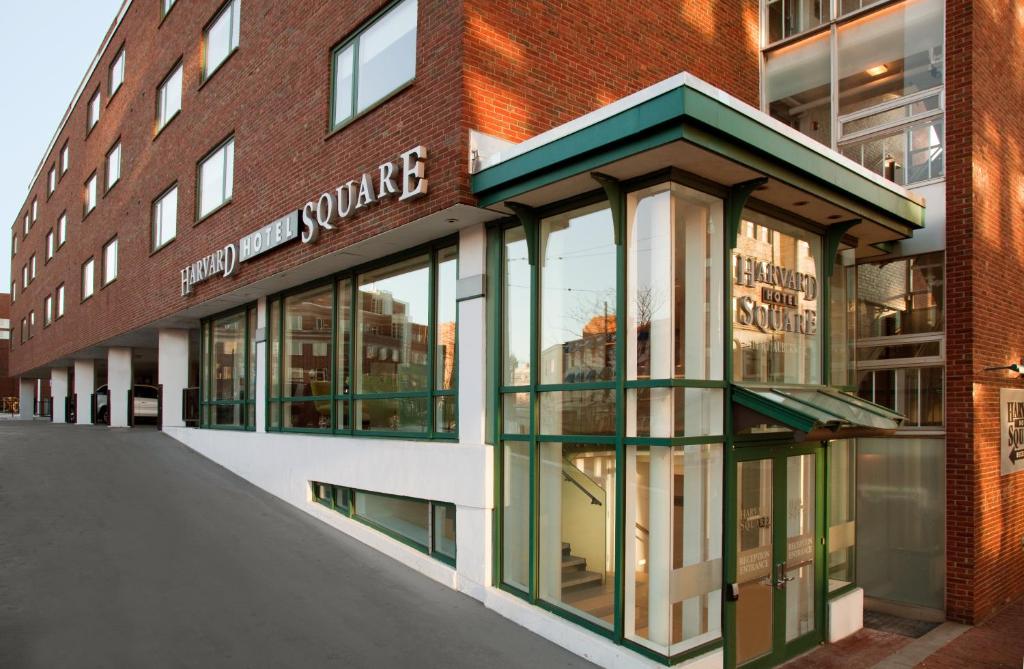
<point>109,263</point>
<point>88,278</point>
<point>114,150</point>
<point>163,118</point>
<point>225,153</point>
<point>117,73</point>
<point>94,111</point>
<point>91,193</point>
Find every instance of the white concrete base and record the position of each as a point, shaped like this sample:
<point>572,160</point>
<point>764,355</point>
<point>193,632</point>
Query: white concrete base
<point>172,373</point>
<point>26,399</point>
<point>58,393</point>
<point>119,382</point>
<point>85,384</point>
<point>845,615</point>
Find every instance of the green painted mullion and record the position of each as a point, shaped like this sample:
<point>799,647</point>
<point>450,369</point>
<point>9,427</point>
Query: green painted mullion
<point>495,273</point>
<point>432,275</point>
<point>578,439</point>
<point>618,203</point>
<point>353,310</point>
<point>334,354</point>
<point>563,387</point>
<point>730,497</point>
<point>675,383</point>
<point>532,234</point>
<point>408,394</point>
<point>821,530</point>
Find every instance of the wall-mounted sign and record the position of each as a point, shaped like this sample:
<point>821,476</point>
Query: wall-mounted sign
<point>779,303</point>
<point>405,179</point>
<point>1011,428</point>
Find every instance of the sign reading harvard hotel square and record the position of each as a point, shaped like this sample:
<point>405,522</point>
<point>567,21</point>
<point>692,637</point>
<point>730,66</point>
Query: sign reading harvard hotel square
<point>785,297</point>
<point>1011,428</point>
<point>404,179</point>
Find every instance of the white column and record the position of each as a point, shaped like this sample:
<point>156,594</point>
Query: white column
<point>261,365</point>
<point>172,373</point>
<point>472,335</point>
<point>58,393</point>
<point>85,384</point>
<point>119,382</point>
<point>26,398</point>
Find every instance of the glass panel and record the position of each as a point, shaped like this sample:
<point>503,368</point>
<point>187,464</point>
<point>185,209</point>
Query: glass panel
<point>674,546</point>
<point>315,414</point>
<point>219,38</point>
<point>387,54</point>
<point>444,529</point>
<point>392,325</point>
<point>343,63</point>
<point>800,546</point>
<point>901,513</point>
<point>791,17</point>
<point>932,391</point>
<point>251,372</point>
<point>578,412</point>
<point>842,513</point>
<point>577,529</point>
<point>797,87</point>
<point>851,410</point>
<point>308,337</point>
<point>447,310</point>
<point>393,415</point>
<point>227,414</point>
<point>889,54</point>
<point>407,518</point>
<point>343,415</point>
<point>674,412</point>
<point>343,327</point>
<point>446,413</point>
<point>904,155</point>
<point>274,389</point>
<point>515,515</point>
<point>776,303</point>
<point>515,411</point>
<point>901,297</point>
<point>900,351</point>
<point>228,356</point>
<point>215,178</point>
<point>516,285</point>
<point>754,560</point>
<point>578,294</point>
<point>674,297</point>
<point>892,115</point>
<point>844,320</point>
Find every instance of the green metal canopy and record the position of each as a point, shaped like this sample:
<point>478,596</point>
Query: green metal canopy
<point>814,413</point>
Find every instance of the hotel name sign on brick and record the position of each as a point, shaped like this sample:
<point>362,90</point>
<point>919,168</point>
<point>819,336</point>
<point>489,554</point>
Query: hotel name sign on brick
<point>403,179</point>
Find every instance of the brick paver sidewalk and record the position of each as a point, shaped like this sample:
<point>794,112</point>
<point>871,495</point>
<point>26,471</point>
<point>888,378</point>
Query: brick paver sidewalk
<point>998,642</point>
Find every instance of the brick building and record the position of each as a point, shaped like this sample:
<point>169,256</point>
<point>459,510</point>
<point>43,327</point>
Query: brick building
<point>630,322</point>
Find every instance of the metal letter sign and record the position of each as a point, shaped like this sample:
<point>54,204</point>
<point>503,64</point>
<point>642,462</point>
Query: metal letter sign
<point>1011,429</point>
<point>281,231</point>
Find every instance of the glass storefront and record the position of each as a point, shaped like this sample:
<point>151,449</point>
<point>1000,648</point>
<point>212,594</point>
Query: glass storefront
<point>228,385</point>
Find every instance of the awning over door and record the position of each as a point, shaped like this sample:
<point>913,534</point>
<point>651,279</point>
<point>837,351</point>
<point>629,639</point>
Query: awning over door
<point>814,414</point>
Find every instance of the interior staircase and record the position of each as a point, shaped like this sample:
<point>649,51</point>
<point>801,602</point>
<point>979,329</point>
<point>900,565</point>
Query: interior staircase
<point>574,571</point>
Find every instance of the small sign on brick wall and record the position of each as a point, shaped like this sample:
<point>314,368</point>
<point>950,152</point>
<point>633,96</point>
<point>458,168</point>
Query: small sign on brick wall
<point>1011,427</point>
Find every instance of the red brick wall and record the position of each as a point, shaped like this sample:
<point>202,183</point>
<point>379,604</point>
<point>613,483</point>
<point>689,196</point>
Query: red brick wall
<point>534,65</point>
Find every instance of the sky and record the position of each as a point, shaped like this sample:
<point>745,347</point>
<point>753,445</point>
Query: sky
<point>48,45</point>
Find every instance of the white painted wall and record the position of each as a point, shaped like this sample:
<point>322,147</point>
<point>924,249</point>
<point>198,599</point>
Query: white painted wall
<point>845,615</point>
<point>119,382</point>
<point>59,391</point>
<point>85,384</point>
<point>26,398</point>
<point>172,372</point>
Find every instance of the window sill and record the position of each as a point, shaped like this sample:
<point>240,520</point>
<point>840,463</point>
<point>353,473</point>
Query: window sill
<point>213,211</point>
<point>112,94</point>
<point>111,187</point>
<point>352,119</point>
<point>160,129</point>
<point>108,283</point>
<point>162,246</point>
<point>207,76</point>
<point>86,213</point>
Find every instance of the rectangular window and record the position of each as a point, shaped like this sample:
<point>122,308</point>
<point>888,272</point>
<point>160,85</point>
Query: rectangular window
<point>60,300</point>
<point>307,361</point>
<point>117,73</point>
<point>24,276</point>
<point>14,244</point>
<point>35,209</point>
<point>51,180</point>
<point>228,370</point>
<point>842,511</point>
<point>377,61</point>
<point>797,84</point>
<point>216,178</point>
<point>28,223</point>
<point>94,111</point>
<point>62,229</point>
<point>168,98</point>
<point>65,159</point>
<point>88,278</point>
<point>24,330</point>
<point>110,261</point>
<point>90,193</point>
<point>220,39</point>
<point>114,165</point>
<point>31,323</point>
<point>49,244</point>
<point>785,18</point>
<point>165,218</point>
<point>32,266</point>
<point>47,310</point>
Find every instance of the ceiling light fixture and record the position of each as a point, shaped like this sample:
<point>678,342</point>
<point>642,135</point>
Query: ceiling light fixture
<point>876,70</point>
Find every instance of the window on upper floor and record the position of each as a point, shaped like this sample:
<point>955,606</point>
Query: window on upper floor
<point>51,180</point>
<point>14,291</point>
<point>65,159</point>
<point>881,102</point>
<point>14,244</point>
<point>165,6</point>
<point>49,245</point>
<point>216,177</point>
<point>35,209</point>
<point>94,111</point>
<point>117,73</point>
<point>374,63</point>
<point>62,229</point>
<point>110,261</point>
<point>24,276</point>
<point>47,310</point>
<point>114,165</point>
<point>220,38</point>
<point>32,268</point>
<point>90,193</point>
<point>88,278</point>
<point>31,322</point>
<point>28,223</point>
<point>168,98</point>
<point>24,330</point>
<point>785,18</point>
<point>60,300</point>
<point>165,219</point>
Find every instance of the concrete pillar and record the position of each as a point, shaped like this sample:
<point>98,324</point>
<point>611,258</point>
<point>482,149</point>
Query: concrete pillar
<point>58,393</point>
<point>85,384</point>
<point>172,372</point>
<point>261,365</point>
<point>119,382</point>
<point>26,398</point>
<point>472,335</point>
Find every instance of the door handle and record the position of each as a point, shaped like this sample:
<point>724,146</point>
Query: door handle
<point>780,576</point>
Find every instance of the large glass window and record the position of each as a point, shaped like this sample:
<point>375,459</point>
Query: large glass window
<point>776,302</point>
<point>377,61</point>
<point>216,178</point>
<point>165,219</point>
<point>220,39</point>
<point>797,87</point>
<point>385,366</point>
<point>785,18</point>
<point>842,513</point>
<point>88,278</point>
<point>228,370</point>
<point>110,261</point>
<point>168,98</point>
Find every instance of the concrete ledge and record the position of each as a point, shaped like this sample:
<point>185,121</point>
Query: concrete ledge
<point>845,615</point>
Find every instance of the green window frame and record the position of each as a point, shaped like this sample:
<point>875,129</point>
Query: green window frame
<point>347,104</point>
<point>245,406</point>
<point>228,18</point>
<point>436,399</point>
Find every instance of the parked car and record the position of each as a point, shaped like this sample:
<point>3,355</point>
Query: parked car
<point>146,403</point>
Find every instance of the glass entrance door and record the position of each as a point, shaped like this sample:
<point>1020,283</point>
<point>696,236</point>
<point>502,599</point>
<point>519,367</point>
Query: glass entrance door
<point>779,527</point>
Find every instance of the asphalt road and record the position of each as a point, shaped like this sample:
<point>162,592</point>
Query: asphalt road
<point>125,549</point>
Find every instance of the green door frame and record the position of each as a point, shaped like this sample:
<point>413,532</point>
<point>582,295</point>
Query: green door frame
<point>778,453</point>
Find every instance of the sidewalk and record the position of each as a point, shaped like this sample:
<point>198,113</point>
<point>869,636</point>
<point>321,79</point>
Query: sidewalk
<point>995,644</point>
